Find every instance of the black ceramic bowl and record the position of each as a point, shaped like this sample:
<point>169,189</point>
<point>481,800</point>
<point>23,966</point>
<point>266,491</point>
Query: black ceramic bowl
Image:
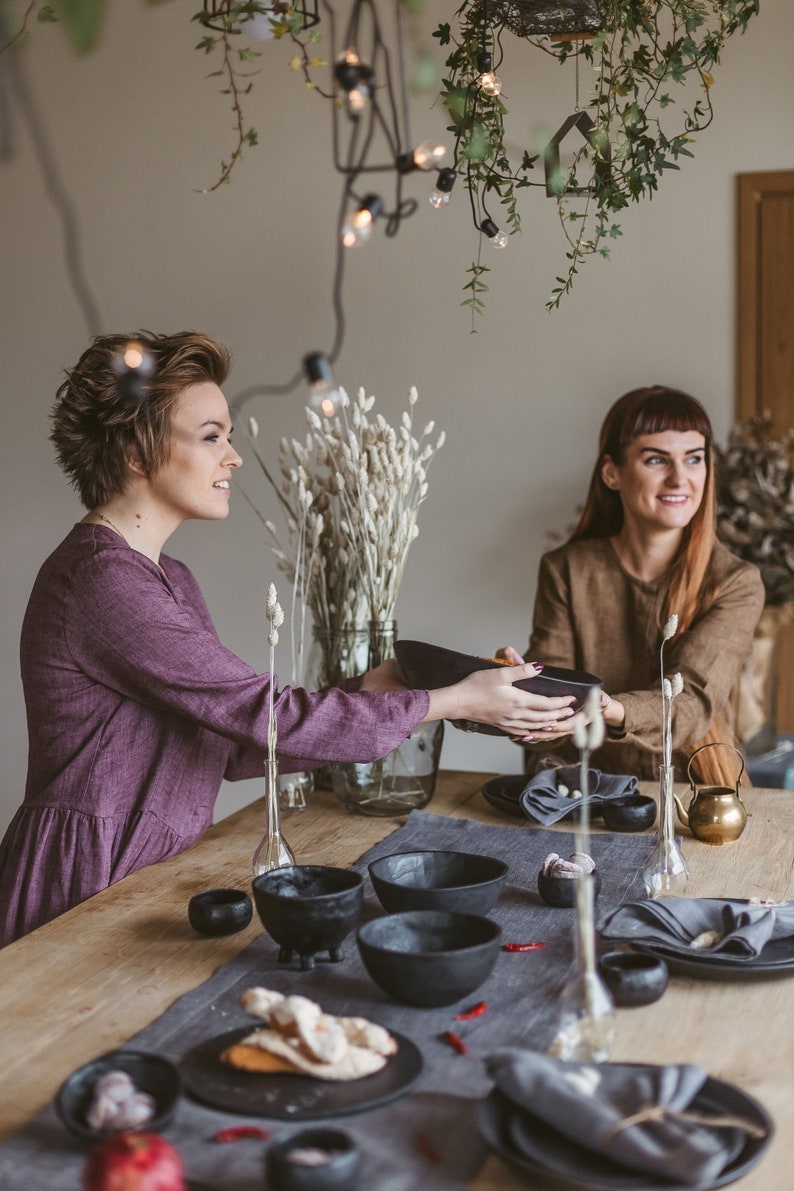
<point>430,666</point>
<point>633,978</point>
<point>220,911</point>
<point>149,1073</point>
<point>339,1171</point>
<point>309,908</point>
<point>561,891</point>
<point>437,880</point>
<point>429,957</point>
<point>632,812</point>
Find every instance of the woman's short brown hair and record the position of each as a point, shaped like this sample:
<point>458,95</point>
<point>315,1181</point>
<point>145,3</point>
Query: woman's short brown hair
<point>97,428</point>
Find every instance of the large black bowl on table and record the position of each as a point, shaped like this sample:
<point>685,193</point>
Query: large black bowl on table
<point>438,880</point>
<point>309,909</point>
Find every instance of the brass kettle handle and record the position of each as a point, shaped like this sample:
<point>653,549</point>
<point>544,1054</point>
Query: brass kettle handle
<point>715,744</point>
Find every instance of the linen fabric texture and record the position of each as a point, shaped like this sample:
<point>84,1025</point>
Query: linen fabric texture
<point>591,614</point>
<point>136,712</point>
<point>542,800</point>
<point>741,929</point>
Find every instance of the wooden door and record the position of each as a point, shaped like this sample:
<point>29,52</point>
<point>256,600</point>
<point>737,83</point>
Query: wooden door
<point>765,336</point>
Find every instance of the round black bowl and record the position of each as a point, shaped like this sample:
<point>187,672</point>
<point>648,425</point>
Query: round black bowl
<point>429,957</point>
<point>149,1073</point>
<point>339,1172</point>
<point>220,911</point>
<point>308,909</point>
<point>438,880</point>
<point>561,891</point>
<point>633,978</point>
<point>632,812</point>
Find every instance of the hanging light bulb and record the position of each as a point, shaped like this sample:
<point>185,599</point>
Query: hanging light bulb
<point>357,227</point>
<point>488,82</point>
<point>355,79</point>
<point>323,389</point>
<point>441,194</point>
<point>497,237</point>
<point>133,365</point>
<point>426,156</point>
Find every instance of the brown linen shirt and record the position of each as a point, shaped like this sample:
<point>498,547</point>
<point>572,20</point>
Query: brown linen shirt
<point>591,614</point>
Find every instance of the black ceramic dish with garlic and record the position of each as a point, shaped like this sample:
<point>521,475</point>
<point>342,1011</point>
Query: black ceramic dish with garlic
<point>558,878</point>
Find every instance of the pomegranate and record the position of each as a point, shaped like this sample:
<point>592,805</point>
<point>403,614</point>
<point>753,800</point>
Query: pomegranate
<point>134,1162</point>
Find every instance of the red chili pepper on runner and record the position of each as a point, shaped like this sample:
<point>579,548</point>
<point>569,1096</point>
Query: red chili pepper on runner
<point>426,1148</point>
<point>238,1132</point>
<point>455,1042</point>
<point>475,1011</point>
<point>523,946</point>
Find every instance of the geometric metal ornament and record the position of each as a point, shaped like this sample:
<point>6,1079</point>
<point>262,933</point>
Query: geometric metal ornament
<point>551,156</point>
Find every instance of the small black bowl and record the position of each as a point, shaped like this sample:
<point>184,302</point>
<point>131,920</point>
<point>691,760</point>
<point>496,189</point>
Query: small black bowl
<point>309,908</point>
<point>338,1172</point>
<point>633,978</point>
<point>220,911</point>
<point>561,891</point>
<point>429,957</point>
<point>632,812</point>
<point>437,880</point>
<point>149,1073</point>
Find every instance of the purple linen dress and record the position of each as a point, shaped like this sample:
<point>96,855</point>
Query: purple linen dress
<point>136,712</point>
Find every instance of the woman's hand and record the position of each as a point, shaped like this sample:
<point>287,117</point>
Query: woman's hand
<point>490,697</point>
<point>508,654</point>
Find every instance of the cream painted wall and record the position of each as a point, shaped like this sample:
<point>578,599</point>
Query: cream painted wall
<point>136,128</point>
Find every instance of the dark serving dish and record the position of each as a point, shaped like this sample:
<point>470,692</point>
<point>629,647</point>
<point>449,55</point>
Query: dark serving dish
<point>438,880</point>
<point>150,1073</point>
<point>308,909</point>
<point>632,812</point>
<point>339,1171</point>
<point>428,667</point>
<point>429,957</point>
<point>633,978</point>
<point>220,911</point>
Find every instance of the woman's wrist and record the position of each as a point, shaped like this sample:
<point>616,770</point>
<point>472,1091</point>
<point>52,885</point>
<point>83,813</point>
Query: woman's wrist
<point>612,710</point>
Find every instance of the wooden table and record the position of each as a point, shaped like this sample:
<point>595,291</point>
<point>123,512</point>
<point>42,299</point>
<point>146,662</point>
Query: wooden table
<point>95,976</point>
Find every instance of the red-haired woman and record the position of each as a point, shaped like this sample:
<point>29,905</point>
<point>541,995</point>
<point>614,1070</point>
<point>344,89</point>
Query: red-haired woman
<point>646,548</point>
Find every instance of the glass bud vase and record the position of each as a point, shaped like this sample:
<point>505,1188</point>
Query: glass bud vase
<point>586,1029</point>
<point>665,873</point>
<point>405,779</point>
<point>273,851</point>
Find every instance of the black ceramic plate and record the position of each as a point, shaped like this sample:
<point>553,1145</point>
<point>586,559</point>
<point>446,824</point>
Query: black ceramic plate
<point>292,1097</point>
<point>776,959</point>
<point>430,666</point>
<point>567,1165</point>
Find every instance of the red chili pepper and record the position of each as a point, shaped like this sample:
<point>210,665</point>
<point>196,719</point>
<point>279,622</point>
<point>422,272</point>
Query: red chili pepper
<point>426,1148</point>
<point>523,946</point>
<point>455,1042</point>
<point>475,1011</point>
<point>238,1132</point>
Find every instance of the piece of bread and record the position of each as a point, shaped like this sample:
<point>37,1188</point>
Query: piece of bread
<point>354,1064</point>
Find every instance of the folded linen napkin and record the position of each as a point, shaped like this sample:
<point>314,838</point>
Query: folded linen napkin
<point>702,926</point>
<point>590,1104</point>
<point>543,800</point>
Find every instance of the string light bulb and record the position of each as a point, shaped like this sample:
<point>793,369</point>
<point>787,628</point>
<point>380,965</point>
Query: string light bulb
<point>358,226</point>
<point>323,389</point>
<point>442,192</point>
<point>495,234</point>
<point>355,79</point>
<point>133,365</point>
<point>426,156</point>
<point>486,80</point>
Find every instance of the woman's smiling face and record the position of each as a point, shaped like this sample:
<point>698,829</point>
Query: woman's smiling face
<point>661,479</point>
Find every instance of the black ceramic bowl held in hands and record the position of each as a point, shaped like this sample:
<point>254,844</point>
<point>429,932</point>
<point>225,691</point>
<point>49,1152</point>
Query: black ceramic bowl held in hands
<point>431,666</point>
<point>314,1160</point>
<point>150,1073</point>
<point>220,911</point>
<point>438,880</point>
<point>429,958</point>
<point>308,909</point>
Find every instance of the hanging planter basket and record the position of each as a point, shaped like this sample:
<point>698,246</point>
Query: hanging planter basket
<point>540,18</point>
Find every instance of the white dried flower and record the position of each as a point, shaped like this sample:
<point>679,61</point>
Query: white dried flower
<point>272,638</point>
<point>413,396</point>
<point>272,601</point>
<point>676,685</point>
<point>671,627</point>
<point>667,689</point>
<point>253,427</point>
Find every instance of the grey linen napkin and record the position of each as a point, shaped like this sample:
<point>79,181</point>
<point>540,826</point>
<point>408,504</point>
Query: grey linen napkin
<point>702,926</point>
<point>542,800</point>
<point>585,1102</point>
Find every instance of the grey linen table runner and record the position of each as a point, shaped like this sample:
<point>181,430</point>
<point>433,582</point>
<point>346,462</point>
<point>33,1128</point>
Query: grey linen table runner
<point>522,995</point>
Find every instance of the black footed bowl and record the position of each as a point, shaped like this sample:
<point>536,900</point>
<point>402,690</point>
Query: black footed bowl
<point>309,908</point>
<point>633,978</point>
<point>437,880</point>
<point>430,666</point>
<point>561,891</point>
<point>150,1073</point>
<point>429,957</point>
<point>632,812</point>
<point>337,1168</point>
<point>220,911</point>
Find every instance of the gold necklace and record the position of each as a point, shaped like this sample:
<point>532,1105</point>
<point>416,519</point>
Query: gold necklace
<point>107,521</point>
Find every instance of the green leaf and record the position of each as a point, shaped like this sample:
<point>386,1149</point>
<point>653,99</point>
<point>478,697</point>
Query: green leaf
<point>46,13</point>
<point>82,20</point>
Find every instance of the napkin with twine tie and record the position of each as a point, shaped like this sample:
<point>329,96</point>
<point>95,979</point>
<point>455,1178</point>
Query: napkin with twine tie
<point>639,1116</point>
<point>702,926</point>
<point>543,799</point>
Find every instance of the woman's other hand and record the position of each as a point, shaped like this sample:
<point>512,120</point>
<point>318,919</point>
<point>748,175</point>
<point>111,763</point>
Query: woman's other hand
<point>490,697</point>
<point>508,654</point>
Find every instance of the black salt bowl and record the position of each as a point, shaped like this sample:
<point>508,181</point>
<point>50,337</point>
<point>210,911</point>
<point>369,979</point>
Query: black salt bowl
<point>308,909</point>
<point>429,957</point>
<point>631,812</point>
<point>150,1073</point>
<point>337,1166</point>
<point>633,978</point>
<point>436,880</point>
<point>561,891</point>
<point>220,911</point>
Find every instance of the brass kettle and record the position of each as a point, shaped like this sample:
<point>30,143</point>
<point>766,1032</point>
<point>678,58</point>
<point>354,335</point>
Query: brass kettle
<point>716,814</point>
